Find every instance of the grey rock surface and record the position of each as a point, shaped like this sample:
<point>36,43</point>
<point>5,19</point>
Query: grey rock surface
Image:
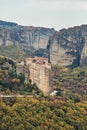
<point>65,47</point>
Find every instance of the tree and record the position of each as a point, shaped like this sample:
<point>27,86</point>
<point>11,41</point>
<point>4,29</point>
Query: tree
<point>12,73</point>
<point>21,76</point>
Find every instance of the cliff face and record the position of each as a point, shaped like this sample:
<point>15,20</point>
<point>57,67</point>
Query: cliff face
<point>33,40</point>
<point>69,46</point>
<point>66,47</point>
<point>35,37</point>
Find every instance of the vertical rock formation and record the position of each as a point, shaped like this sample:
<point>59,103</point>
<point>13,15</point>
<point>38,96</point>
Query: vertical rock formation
<point>38,70</point>
<point>58,54</point>
<point>83,60</point>
<point>40,73</point>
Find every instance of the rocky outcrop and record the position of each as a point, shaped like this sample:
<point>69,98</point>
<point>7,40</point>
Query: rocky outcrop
<point>65,47</point>
<point>35,37</point>
<point>58,54</point>
<point>37,70</point>
<point>33,40</point>
<point>7,63</point>
<point>83,60</point>
<point>68,46</point>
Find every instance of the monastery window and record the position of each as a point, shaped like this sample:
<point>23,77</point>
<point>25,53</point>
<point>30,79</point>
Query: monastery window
<point>33,61</point>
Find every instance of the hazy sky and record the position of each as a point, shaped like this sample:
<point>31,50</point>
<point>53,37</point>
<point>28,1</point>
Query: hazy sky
<point>56,14</point>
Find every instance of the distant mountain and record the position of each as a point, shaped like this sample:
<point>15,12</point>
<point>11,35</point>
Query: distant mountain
<point>7,24</point>
<point>65,47</point>
<point>33,40</point>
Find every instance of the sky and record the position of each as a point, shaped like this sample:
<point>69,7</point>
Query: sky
<point>56,14</point>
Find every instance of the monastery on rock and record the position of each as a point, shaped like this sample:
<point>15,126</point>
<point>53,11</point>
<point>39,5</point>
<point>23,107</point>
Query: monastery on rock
<point>38,70</point>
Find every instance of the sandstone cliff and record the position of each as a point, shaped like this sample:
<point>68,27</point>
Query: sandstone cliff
<point>64,47</point>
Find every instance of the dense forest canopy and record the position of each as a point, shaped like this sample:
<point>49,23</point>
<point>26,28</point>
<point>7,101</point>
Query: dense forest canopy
<point>42,114</point>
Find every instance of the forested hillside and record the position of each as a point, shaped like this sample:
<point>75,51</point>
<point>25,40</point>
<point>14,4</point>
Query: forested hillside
<point>70,80</point>
<point>67,110</point>
<point>42,114</point>
<point>11,83</point>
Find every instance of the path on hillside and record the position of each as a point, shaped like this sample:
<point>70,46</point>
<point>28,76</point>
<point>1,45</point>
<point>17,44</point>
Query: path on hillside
<point>16,95</point>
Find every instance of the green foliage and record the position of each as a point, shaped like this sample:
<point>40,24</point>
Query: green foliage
<point>9,80</point>
<point>32,89</point>
<point>40,114</point>
<point>73,81</point>
<point>65,111</point>
<point>21,76</point>
<point>12,73</point>
<point>14,52</point>
<point>59,92</point>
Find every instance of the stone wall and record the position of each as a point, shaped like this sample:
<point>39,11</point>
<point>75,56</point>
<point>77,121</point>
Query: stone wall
<point>22,68</point>
<point>40,73</point>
